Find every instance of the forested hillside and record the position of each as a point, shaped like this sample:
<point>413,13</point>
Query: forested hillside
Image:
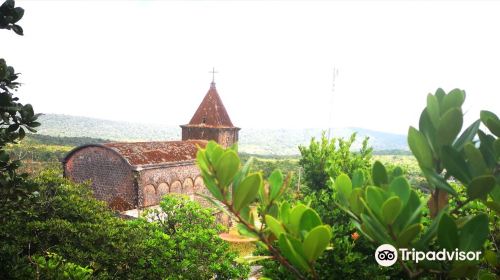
<point>253,141</point>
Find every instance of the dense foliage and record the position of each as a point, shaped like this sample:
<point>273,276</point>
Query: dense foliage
<point>194,233</point>
<point>64,219</point>
<point>294,235</point>
<point>15,117</point>
<point>319,160</point>
<point>388,211</point>
<point>328,158</point>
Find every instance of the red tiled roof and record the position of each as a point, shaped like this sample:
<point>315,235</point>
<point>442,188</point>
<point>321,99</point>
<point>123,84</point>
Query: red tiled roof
<point>150,153</point>
<point>211,111</point>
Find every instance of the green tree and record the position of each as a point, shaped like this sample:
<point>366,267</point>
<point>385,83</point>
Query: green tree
<point>324,159</point>
<point>15,117</point>
<point>194,233</point>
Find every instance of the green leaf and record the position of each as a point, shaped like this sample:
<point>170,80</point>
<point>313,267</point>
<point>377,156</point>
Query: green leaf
<point>375,198</point>
<point>358,179</point>
<point>449,126</point>
<point>454,99</point>
<point>379,174</point>
<point>216,203</point>
<point>285,212</point>
<point>494,126</point>
<point>429,131</point>
<point>475,160</point>
<point>391,209</point>
<point>18,29</point>
<point>440,94</point>
<point>355,203</point>
<point>447,233</point>
<point>433,109</point>
<point>410,214</point>
<point>241,174</point>
<point>247,191</point>
<point>227,167</point>
<point>493,206</point>
<point>295,216</point>
<point>287,249</point>
<point>496,147</point>
<point>455,164</point>
<point>316,242</point>
<point>487,149</point>
<point>396,172</point>
<point>309,220</point>
<point>491,121</point>
<point>212,186</point>
<point>474,233</point>
<point>400,187</point>
<point>486,115</point>
<point>481,186</point>
<point>467,136</point>
<point>436,181</point>
<point>431,231</point>
<point>408,234</point>
<point>275,183</point>
<point>378,231</point>
<point>251,259</point>
<point>202,161</point>
<point>276,227</point>
<point>213,152</point>
<point>420,148</point>
<point>344,186</point>
<point>495,193</point>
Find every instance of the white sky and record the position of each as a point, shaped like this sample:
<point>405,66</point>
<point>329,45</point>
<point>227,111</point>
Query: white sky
<point>148,61</point>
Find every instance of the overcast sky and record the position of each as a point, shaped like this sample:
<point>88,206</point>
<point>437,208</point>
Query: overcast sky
<point>149,61</point>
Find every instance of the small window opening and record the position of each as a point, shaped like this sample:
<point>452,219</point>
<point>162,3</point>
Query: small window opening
<point>204,120</point>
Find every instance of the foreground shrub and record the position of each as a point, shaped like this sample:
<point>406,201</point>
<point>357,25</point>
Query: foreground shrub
<point>81,234</point>
<point>390,211</point>
<point>194,233</point>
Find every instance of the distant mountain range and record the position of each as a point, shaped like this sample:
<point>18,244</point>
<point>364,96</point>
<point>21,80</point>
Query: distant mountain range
<point>252,141</point>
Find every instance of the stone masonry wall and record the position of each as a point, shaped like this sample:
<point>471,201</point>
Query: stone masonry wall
<point>111,177</point>
<point>183,178</point>
<point>224,136</point>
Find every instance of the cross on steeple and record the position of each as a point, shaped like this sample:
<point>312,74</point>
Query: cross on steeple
<point>213,74</point>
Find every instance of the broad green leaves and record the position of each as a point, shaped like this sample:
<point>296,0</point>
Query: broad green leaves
<point>316,242</point>
<point>447,233</point>
<point>391,209</point>
<point>420,148</point>
<point>300,234</point>
<point>247,191</point>
<point>227,166</point>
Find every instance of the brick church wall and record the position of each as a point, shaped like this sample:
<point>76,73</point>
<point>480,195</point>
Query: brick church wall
<point>183,178</point>
<point>224,136</point>
<point>111,177</point>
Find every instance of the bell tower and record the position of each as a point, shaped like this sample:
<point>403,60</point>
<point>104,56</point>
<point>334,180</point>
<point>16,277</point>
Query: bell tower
<point>211,121</point>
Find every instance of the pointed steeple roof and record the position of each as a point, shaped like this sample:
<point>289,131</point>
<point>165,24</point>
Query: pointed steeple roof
<point>211,111</point>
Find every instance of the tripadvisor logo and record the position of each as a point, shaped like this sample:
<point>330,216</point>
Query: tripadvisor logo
<point>387,255</point>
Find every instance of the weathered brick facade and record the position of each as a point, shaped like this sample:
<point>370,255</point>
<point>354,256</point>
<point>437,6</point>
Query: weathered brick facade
<point>110,175</point>
<point>225,136</point>
<point>136,175</point>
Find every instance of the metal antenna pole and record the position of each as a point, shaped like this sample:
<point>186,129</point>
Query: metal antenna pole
<point>330,120</point>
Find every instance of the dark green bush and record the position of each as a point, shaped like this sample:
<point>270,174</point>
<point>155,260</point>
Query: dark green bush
<point>63,218</point>
<point>200,253</point>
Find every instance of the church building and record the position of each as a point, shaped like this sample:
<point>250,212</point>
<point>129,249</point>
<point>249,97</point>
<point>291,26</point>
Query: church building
<point>135,175</point>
